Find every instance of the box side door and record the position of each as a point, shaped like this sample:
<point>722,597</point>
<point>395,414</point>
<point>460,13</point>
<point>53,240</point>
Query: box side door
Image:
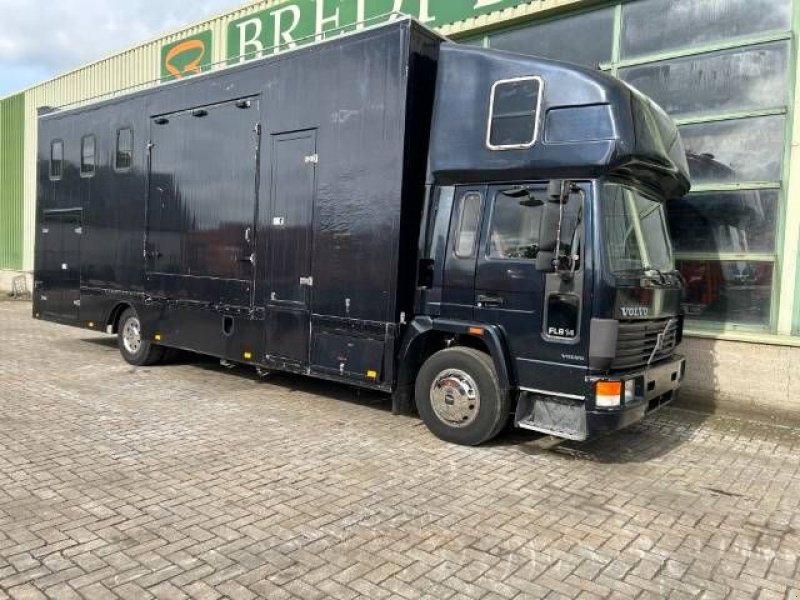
<point>202,203</point>
<point>289,246</point>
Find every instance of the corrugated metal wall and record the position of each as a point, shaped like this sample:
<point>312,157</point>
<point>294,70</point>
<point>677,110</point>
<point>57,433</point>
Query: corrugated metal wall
<point>12,140</point>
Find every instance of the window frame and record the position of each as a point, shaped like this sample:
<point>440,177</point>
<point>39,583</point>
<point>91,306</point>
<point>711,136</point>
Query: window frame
<point>460,225</point>
<point>88,174</point>
<point>536,114</point>
<point>50,163</point>
<point>117,168</point>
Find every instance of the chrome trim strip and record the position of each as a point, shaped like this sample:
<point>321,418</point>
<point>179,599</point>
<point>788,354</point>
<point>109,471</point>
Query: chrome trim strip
<point>550,393</point>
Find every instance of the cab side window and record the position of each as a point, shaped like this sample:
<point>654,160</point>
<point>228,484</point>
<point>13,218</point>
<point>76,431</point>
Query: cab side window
<point>468,224</point>
<point>514,231</point>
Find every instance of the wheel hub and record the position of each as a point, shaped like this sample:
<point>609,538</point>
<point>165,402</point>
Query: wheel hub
<point>132,335</point>
<point>455,398</point>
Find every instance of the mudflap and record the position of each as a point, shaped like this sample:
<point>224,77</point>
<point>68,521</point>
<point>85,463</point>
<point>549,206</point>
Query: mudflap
<point>562,417</point>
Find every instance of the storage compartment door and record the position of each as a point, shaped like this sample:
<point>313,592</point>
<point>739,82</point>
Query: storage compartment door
<point>289,280</point>
<point>60,273</point>
<point>202,204</point>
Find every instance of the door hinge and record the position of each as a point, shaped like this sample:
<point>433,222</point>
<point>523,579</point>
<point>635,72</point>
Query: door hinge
<point>257,128</point>
<point>79,230</point>
<point>311,159</point>
<point>76,303</point>
<point>309,281</point>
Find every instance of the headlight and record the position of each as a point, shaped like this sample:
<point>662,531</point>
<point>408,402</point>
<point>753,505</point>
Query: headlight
<point>630,391</point>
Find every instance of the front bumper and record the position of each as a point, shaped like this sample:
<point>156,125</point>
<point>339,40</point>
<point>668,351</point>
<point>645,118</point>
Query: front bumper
<point>655,387</point>
<point>574,419</point>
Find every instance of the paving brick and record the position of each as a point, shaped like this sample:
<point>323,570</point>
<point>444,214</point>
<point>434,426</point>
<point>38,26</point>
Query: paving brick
<point>190,480</point>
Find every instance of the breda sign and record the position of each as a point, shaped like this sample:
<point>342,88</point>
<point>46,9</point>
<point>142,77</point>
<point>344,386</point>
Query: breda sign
<point>287,25</point>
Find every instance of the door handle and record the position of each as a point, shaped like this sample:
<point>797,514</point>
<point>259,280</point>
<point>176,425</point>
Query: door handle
<point>487,300</point>
<point>251,259</point>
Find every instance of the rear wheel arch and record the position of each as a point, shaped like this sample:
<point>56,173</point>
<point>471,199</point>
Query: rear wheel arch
<point>115,314</point>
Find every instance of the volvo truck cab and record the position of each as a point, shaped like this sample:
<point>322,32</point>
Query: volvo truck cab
<point>546,278</point>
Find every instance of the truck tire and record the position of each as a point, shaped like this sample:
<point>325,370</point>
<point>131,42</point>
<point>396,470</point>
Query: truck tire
<point>459,398</point>
<point>133,347</point>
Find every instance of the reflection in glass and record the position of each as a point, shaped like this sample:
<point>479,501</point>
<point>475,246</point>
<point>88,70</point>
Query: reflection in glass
<point>727,291</point>
<point>735,151</point>
<point>739,79</point>
<point>684,23</point>
<point>736,221</point>
<point>584,39</point>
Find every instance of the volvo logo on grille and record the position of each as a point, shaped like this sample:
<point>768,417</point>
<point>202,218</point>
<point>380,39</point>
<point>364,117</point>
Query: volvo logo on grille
<point>635,311</point>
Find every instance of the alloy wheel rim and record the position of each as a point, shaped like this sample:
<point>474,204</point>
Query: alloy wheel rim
<point>455,398</point>
<point>132,335</point>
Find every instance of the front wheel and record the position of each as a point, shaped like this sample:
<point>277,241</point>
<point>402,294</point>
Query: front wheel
<point>132,345</point>
<point>459,398</point>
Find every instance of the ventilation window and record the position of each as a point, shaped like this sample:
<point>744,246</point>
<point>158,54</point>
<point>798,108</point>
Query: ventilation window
<point>56,160</point>
<point>123,158</point>
<point>513,113</point>
<point>468,223</point>
<point>87,156</point>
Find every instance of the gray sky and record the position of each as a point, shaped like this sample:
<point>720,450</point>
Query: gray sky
<point>41,39</point>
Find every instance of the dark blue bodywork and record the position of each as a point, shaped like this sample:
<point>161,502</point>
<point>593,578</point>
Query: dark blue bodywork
<point>295,212</point>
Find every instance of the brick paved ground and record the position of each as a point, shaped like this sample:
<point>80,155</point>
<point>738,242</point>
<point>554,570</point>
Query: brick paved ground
<point>191,480</point>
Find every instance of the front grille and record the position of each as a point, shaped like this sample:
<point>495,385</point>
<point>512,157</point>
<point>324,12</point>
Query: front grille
<point>636,340</point>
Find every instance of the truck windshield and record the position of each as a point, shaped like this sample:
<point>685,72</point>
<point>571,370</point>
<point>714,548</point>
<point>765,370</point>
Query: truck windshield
<point>635,230</point>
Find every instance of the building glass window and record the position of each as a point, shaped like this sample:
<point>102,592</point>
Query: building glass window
<point>513,113</point>
<point>87,155</point>
<point>726,290</point>
<point>468,224</point>
<point>736,150</point>
<point>56,159</point>
<point>123,158</point>
<point>557,39</point>
<point>686,23</point>
<point>738,221</point>
<point>740,79</point>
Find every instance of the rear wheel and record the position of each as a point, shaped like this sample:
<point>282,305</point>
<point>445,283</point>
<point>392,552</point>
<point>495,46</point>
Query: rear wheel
<point>459,398</point>
<point>132,345</point>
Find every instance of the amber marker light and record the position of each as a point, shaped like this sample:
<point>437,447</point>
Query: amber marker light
<point>608,394</point>
<point>475,330</point>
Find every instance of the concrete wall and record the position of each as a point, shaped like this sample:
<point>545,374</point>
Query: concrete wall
<point>744,378</point>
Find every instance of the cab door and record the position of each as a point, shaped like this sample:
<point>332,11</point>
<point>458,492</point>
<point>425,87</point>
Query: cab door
<point>514,293</point>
